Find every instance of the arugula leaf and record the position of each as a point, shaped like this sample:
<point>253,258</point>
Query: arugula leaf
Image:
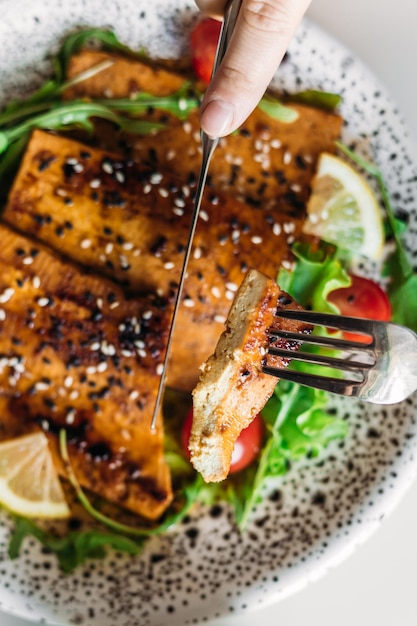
<point>189,495</point>
<point>74,548</point>
<point>180,103</point>
<point>275,109</point>
<point>320,99</point>
<point>402,277</point>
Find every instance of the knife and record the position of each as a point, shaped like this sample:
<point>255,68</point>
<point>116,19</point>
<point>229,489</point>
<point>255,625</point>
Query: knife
<point>208,145</point>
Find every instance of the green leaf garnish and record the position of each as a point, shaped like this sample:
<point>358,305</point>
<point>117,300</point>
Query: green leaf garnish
<point>316,273</point>
<point>74,548</point>
<point>315,98</point>
<point>275,109</point>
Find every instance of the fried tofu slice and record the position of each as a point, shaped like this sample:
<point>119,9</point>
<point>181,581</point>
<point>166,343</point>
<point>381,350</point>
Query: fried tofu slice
<point>232,388</point>
<point>266,163</point>
<point>131,223</point>
<point>76,354</point>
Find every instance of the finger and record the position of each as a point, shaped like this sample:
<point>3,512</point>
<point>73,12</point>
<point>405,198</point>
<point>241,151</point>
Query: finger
<point>260,39</point>
<point>212,8</point>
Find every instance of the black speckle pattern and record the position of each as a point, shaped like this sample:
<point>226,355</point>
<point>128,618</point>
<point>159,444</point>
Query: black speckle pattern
<point>322,510</point>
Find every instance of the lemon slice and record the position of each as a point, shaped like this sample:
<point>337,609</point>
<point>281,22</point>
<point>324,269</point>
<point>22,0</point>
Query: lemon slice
<point>343,209</point>
<point>29,483</point>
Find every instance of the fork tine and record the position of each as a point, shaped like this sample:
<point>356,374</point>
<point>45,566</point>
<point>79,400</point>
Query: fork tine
<point>340,386</point>
<point>353,324</point>
<point>317,340</point>
<point>319,359</point>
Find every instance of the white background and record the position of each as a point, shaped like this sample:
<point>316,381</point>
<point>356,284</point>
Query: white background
<point>378,584</point>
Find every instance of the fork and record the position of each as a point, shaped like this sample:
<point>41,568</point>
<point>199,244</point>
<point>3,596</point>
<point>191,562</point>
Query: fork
<point>383,370</point>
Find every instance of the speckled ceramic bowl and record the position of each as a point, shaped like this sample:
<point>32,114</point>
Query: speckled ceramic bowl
<point>321,511</point>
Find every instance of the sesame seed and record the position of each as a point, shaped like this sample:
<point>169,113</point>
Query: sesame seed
<point>164,193</point>
<point>231,286</point>
<point>142,353</point>
<point>70,417</point>
<point>289,227</point>
<point>230,295</point>
<point>41,386</point>
<point>134,394</point>
<point>178,211</point>
<point>43,301</point>
<point>114,305</point>
<point>220,319</point>
<point>147,315</point>
<point>286,264</point>
<point>74,394</point>
<point>95,346</point>
<point>45,425</point>
<point>287,157</point>
<point>189,303</point>
<point>276,229</point>
<point>6,295</point>
<point>95,183</point>
<point>169,265</point>
<point>2,315</point>
<point>187,127</point>
<point>159,369</point>
<point>139,344</point>
<point>120,177</point>
<point>85,243</point>
<point>147,188</point>
<point>127,353</point>
<point>107,167</point>
<point>204,216</point>
<point>99,303</point>
<point>128,245</point>
<point>256,240</point>
<point>109,248</point>
<point>72,161</point>
<point>171,155</point>
<point>101,367</point>
<point>68,382</point>
<point>275,143</point>
<point>216,292</point>
<point>91,369</point>
<point>155,178</point>
<point>179,202</point>
<point>28,260</point>
<point>197,253</point>
<point>36,282</point>
<point>78,168</point>
<point>107,348</point>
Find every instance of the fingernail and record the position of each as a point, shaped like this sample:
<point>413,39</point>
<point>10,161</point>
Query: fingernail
<point>217,118</point>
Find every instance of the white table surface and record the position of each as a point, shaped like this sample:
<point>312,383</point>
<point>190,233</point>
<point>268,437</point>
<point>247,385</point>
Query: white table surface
<point>378,584</point>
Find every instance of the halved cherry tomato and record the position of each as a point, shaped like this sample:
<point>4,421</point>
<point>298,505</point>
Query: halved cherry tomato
<point>363,298</point>
<point>203,41</point>
<point>246,448</point>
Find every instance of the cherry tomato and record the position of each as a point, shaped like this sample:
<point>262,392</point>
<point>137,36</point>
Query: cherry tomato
<point>363,298</point>
<point>203,41</point>
<point>246,447</point>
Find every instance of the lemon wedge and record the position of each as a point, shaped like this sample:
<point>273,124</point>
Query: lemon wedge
<point>29,483</point>
<point>343,209</point>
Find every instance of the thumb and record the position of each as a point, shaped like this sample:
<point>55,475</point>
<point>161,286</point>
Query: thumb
<point>260,39</point>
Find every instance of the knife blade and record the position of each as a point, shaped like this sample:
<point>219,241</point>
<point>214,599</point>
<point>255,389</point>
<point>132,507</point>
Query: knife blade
<point>208,145</point>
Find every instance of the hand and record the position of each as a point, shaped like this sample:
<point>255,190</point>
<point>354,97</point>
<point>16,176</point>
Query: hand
<point>261,37</point>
